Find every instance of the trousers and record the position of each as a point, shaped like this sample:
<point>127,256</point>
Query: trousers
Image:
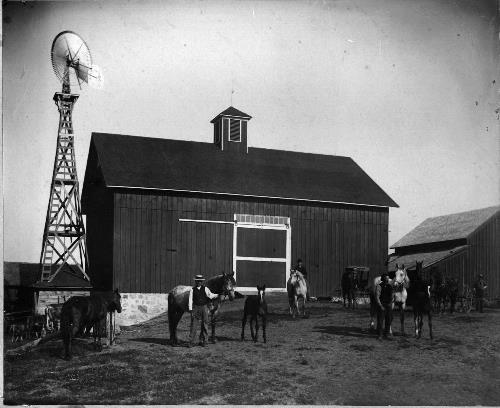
<point>384,316</point>
<point>199,316</point>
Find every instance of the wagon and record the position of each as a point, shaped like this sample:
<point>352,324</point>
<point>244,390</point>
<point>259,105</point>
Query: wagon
<point>360,278</point>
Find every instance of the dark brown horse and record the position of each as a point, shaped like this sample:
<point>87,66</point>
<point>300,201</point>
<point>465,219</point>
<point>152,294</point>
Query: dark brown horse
<point>255,306</point>
<point>348,287</point>
<point>420,295</point>
<point>178,299</point>
<point>81,312</point>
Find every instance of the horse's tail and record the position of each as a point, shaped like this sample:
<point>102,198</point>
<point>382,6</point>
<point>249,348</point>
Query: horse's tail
<point>172,321</point>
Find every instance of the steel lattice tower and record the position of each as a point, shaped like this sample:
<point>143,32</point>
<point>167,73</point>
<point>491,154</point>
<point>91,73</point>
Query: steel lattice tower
<point>64,244</point>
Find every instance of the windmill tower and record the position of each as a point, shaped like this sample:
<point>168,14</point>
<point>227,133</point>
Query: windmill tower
<point>64,245</point>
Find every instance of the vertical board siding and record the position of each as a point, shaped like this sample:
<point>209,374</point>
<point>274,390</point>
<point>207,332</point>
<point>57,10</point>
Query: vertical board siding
<point>154,251</point>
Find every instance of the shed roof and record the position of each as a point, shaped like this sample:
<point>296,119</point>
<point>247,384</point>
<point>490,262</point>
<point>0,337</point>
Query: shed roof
<point>166,164</point>
<point>447,227</point>
<point>428,258</point>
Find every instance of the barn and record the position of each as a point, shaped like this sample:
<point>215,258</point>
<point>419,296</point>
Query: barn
<point>159,211</point>
<point>461,245</point>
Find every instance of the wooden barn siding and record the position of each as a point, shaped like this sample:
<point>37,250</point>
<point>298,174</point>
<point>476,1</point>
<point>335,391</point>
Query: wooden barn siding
<point>99,239</point>
<point>484,255</point>
<point>153,251</point>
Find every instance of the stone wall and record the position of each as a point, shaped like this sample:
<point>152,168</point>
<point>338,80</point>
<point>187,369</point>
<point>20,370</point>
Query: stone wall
<point>139,307</point>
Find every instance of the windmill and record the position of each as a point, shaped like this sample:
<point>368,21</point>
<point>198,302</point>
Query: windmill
<point>64,245</point>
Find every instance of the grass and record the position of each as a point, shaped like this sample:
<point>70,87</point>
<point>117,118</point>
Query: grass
<point>328,358</point>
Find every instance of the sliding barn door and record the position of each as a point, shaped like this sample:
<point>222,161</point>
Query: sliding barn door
<point>261,251</point>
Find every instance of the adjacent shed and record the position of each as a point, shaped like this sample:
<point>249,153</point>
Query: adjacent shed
<point>461,245</point>
<point>160,211</point>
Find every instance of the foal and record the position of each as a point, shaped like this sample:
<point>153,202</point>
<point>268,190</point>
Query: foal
<point>255,306</point>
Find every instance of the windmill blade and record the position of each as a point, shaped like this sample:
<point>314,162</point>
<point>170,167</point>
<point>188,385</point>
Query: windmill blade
<point>71,59</point>
<point>82,72</point>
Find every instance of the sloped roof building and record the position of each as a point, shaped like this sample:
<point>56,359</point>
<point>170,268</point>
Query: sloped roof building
<point>161,210</point>
<point>460,245</point>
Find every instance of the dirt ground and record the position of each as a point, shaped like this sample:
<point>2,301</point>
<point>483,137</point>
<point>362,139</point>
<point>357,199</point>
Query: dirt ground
<point>330,357</point>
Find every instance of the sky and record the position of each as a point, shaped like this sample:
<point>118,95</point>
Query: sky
<point>408,89</point>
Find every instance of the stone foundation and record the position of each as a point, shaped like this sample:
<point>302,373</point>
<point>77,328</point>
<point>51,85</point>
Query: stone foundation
<point>139,307</point>
<point>54,297</point>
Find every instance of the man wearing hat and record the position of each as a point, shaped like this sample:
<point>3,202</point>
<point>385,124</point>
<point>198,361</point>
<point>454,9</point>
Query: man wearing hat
<point>479,288</point>
<point>199,296</point>
<point>385,301</point>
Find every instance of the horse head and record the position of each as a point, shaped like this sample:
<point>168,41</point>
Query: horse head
<point>115,303</point>
<point>228,285</point>
<point>401,279</point>
<point>261,291</point>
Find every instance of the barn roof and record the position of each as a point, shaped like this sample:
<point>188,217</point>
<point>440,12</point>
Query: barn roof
<point>233,112</point>
<point>428,258</point>
<point>165,164</point>
<point>27,274</point>
<point>447,227</point>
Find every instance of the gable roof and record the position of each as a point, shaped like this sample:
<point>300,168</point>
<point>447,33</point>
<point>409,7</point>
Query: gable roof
<point>165,164</point>
<point>233,112</point>
<point>447,227</point>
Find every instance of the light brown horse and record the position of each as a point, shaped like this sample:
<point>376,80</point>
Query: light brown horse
<point>297,289</point>
<point>178,299</point>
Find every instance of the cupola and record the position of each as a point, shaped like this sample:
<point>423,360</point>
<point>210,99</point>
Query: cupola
<point>230,130</point>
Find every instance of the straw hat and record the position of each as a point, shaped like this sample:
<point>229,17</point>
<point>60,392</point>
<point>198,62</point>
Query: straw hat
<point>199,278</point>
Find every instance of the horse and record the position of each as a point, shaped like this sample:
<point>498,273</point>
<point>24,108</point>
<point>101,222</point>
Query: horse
<point>80,312</point>
<point>178,299</point>
<point>452,290</point>
<point>421,302</point>
<point>348,287</point>
<point>296,288</point>
<point>255,306</point>
<point>439,291</point>
<point>399,284</point>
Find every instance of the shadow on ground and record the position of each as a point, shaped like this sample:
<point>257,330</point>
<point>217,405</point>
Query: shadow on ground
<point>344,331</point>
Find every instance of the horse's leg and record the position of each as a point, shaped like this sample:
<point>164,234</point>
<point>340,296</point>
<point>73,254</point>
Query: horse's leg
<point>256,327</point>
<point>176,317</point>
<point>264,327</point>
<point>420,324</point>
<point>171,324</point>
<point>252,318</point>
<point>243,324</point>
<point>373,312</point>
<point>429,320</point>
<point>402,318</point>
<point>390,320</point>
<point>415,319</point>
<point>213,320</point>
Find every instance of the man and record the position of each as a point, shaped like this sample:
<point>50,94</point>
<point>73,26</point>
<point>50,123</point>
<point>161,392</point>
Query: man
<point>302,269</point>
<point>199,296</point>
<point>385,300</point>
<point>479,288</point>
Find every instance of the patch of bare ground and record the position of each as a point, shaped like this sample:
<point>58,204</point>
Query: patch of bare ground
<point>330,357</point>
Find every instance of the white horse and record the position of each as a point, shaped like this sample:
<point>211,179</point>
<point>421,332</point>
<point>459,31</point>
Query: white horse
<point>297,289</point>
<point>399,285</point>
